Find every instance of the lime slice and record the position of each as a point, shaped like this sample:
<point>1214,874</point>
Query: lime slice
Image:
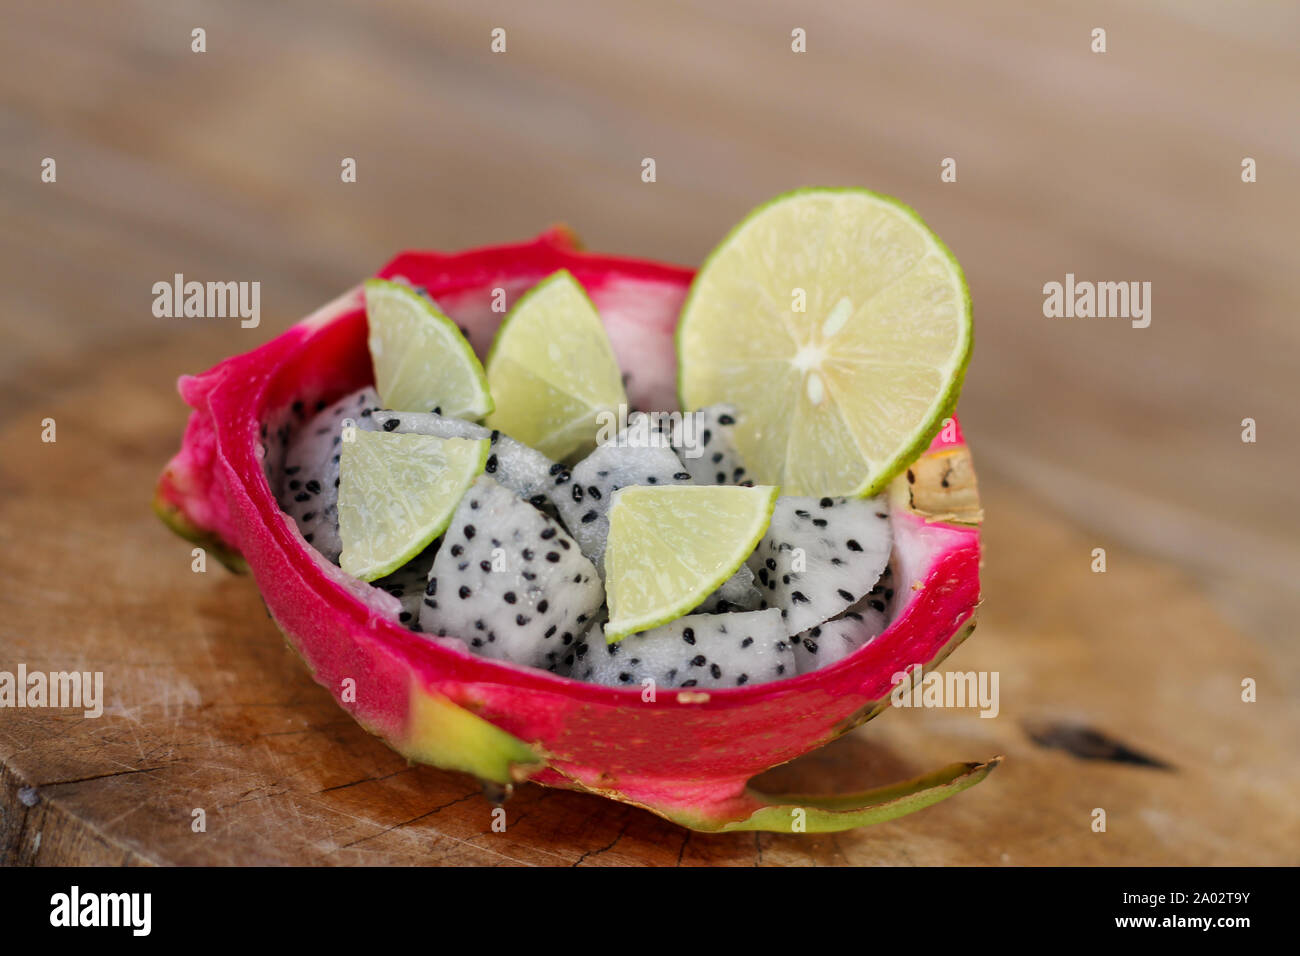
<point>421,360</point>
<point>670,547</point>
<point>397,493</point>
<point>840,327</point>
<point>552,370</point>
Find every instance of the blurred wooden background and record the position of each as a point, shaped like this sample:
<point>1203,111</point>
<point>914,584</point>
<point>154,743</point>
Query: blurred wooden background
<point>1117,166</point>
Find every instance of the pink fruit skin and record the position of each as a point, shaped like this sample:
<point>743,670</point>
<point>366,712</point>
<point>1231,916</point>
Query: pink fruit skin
<point>687,757</point>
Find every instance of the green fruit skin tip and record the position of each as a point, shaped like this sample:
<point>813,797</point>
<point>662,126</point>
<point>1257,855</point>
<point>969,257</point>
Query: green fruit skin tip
<point>932,425</point>
<point>452,330</point>
<point>774,491</point>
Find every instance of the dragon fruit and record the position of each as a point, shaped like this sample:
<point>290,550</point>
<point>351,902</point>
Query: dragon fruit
<point>508,581</point>
<point>699,650</point>
<point>833,640</point>
<point>821,555</point>
<point>309,488</point>
<point>709,451</point>
<point>687,755</point>
<point>407,584</point>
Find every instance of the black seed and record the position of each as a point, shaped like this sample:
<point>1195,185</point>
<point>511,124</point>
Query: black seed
<point>853,614</point>
<point>699,660</point>
<point>721,478</point>
<point>297,408</point>
<point>510,597</point>
<point>464,592</point>
<point>496,433</point>
<point>548,533</point>
<point>556,468</point>
<point>309,516</point>
<point>819,522</point>
<point>529,576</point>
<point>564,543</point>
<point>486,566</point>
<point>432,587</point>
<point>469,531</point>
<point>715,670</point>
<point>706,437</point>
<point>479,626</point>
<point>491,465</point>
<point>689,683</point>
<point>577,493</point>
<point>688,635</point>
<point>307,537</point>
<point>837,561</point>
<point>521,620</point>
<point>742,679</point>
<point>404,616</point>
<point>798,597</point>
<point>552,557</point>
<point>826,502</point>
<point>391,424</point>
<point>567,638</point>
<point>726,420</point>
<point>877,605</point>
<point>593,491</point>
<point>295,485</point>
<point>293,470</point>
<point>550,631</point>
<point>816,632</point>
<point>746,642</point>
<point>785,579</point>
<point>717,457</point>
<point>810,645</point>
<point>543,606</point>
<point>302,496</point>
<point>431,602</point>
<point>771,565</point>
<point>582,618</point>
<point>589,517</point>
<point>651,480</point>
<point>313,486</point>
<point>845,594</point>
<point>853,545</point>
<point>476,642</point>
<point>624,676</point>
<point>799,512</point>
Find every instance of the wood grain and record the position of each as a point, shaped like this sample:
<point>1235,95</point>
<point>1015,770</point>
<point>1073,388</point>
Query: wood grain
<point>1087,433</point>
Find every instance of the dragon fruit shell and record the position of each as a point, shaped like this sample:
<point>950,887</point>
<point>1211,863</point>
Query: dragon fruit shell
<point>687,756</point>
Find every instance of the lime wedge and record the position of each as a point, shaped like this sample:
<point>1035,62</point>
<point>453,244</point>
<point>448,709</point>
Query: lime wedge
<point>670,547</point>
<point>397,493</point>
<point>552,370</point>
<point>840,326</point>
<point>421,360</point>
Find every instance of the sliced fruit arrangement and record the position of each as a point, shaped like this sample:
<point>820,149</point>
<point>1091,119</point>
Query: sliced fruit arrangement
<point>542,583</point>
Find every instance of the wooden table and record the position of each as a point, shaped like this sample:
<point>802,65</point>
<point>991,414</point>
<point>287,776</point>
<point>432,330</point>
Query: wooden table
<point>1088,433</point>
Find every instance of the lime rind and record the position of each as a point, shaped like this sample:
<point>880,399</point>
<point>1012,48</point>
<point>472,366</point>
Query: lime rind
<point>945,401</point>
<point>623,625</point>
<point>440,345</point>
<point>369,473</point>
